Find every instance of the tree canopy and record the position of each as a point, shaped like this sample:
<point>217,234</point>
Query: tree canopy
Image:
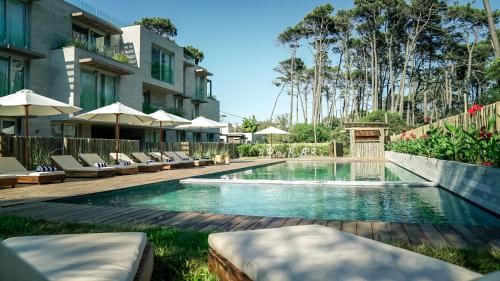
<point>194,53</point>
<point>161,26</point>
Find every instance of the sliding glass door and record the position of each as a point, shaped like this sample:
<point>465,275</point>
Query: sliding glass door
<point>4,77</point>
<point>108,86</point>
<point>88,93</point>
<point>16,23</point>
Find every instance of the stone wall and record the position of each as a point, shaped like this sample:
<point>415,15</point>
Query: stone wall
<point>478,184</point>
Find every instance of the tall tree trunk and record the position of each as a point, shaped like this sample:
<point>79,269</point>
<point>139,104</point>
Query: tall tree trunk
<point>492,28</point>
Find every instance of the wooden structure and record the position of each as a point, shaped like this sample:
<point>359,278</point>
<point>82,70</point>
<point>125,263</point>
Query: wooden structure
<point>367,139</point>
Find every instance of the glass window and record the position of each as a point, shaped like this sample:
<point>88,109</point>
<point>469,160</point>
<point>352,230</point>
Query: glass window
<point>16,23</point>
<point>17,75</point>
<point>88,94</point>
<point>156,63</point>
<point>96,40</point>
<point>69,131</point>
<point>4,77</point>
<point>2,20</point>
<point>80,33</point>
<point>108,86</point>
<point>161,65</point>
<point>9,127</point>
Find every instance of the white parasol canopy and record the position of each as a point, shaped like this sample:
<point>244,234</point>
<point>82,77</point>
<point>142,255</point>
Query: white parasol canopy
<point>201,123</point>
<point>164,118</point>
<point>117,113</point>
<point>272,131</point>
<point>28,103</point>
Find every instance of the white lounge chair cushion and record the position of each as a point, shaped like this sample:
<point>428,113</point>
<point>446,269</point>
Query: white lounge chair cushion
<point>7,177</point>
<point>39,174</point>
<point>75,257</point>
<point>90,169</point>
<point>313,252</point>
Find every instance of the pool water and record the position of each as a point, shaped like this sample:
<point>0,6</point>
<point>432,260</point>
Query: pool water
<point>327,170</point>
<point>391,204</point>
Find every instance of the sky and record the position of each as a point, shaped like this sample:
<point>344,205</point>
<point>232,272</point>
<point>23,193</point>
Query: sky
<point>238,39</point>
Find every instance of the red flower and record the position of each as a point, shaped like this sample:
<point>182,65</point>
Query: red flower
<point>487,163</point>
<point>474,109</point>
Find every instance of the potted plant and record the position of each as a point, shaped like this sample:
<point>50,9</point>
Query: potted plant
<point>218,157</point>
<point>226,156</point>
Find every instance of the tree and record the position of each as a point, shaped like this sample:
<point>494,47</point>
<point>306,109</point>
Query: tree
<point>288,70</point>
<point>161,26</point>
<point>492,28</point>
<point>396,122</point>
<point>194,53</point>
<point>249,125</point>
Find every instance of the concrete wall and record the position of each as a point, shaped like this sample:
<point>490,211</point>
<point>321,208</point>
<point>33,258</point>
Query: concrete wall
<point>478,184</point>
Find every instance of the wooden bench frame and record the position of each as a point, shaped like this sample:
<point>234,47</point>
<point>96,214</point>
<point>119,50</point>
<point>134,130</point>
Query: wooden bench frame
<point>41,179</point>
<point>8,182</point>
<point>224,269</point>
<point>145,269</point>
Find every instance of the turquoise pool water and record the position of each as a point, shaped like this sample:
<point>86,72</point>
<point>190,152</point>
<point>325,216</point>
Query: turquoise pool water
<point>391,204</point>
<point>309,170</point>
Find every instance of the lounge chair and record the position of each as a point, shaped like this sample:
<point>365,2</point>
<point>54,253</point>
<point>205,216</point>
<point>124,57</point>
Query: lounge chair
<point>177,161</point>
<point>74,169</point>
<point>8,180</point>
<point>10,166</point>
<point>122,256</point>
<point>93,159</point>
<point>313,252</point>
<point>184,162</point>
<point>201,162</point>
<point>143,167</point>
<point>143,158</point>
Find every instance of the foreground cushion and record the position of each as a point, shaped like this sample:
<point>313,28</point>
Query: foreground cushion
<point>89,257</point>
<point>313,252</point>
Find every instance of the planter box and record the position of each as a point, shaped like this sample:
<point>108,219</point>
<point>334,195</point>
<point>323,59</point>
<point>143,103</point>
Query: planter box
<point>478,184</point>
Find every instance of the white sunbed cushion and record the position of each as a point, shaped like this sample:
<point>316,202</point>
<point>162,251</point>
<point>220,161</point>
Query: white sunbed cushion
<point>36,174</point>
<point>314,252</point>
<point>91,169</point>
<point>7,176</point>
<point>78,257</point>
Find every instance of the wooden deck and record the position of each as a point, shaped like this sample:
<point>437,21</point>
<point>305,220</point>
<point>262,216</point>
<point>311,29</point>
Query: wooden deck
<point>435,235</point>
<point>75,187</point>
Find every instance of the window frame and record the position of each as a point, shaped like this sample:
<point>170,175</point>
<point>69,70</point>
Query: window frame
<point>162,59</point>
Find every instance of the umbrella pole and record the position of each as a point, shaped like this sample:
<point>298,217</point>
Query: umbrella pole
<point>161,142</point>
<point>117,137</point>
<point>26,132</point>
<point>201,143</point>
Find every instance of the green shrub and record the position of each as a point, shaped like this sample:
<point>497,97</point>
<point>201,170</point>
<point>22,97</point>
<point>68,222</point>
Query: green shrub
<point>304,133</point>
<point>396,123</point>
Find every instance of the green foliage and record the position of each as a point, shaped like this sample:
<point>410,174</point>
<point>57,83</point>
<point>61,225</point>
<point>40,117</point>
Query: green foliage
<point>161,26</point>
<point>250,125</point>
<point>396,122</point>
<point>81,43</point>
<point>194,53</point>
<point>305,133</point>
<point>176,111</point>
<point>475,145</point>
<point>282,149</point>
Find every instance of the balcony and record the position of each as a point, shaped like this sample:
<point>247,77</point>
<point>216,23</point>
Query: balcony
<point>95,17</point>
<point>150,108</point>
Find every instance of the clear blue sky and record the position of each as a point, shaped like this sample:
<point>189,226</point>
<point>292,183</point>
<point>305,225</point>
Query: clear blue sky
<point>239,41</point>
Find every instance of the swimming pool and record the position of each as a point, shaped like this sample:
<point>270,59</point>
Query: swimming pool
<point>316,201</point>
<point>325,171</point>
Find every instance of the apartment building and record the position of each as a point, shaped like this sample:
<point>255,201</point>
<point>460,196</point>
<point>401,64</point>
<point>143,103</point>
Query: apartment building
<point>69,51</point>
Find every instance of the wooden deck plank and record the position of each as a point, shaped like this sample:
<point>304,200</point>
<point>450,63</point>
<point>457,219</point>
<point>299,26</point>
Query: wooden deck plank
<point>246,224</point>
<point>276,222</point>
<point>261,223</point>
<point>160,217</point>
<point>321,222</point>
<point>381,232</point>
<point>291,222</point>
<point>116,216</point>
<point>201,224</point>
<point>200,217</point>
<point>130,218</point>
<point>452,237</point>
<point>177,219</point>
<point>224,224</point>
<point>364,229</point>
<point>349,226</point>
<point>433,236</point>
<point>398,234</point>
<point>88,215</point>
<point>486,235</point>
<point>472,238</point>
<point>415,234</point>
<point>142,219</point>
<point>306,222</point>
<point>18,208</point>
<point>335,224</point>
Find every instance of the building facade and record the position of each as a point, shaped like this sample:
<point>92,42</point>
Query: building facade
<point>74,54</point>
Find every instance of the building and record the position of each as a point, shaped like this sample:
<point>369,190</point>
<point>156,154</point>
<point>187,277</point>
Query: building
<point>69,51</point>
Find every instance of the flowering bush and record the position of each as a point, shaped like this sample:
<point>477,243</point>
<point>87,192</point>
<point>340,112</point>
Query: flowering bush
<point>475,145</point>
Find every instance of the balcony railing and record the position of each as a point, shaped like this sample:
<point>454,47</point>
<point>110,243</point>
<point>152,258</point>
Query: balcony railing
<point>78,41</point>
<point>150,108</point>
<point>96,12</point>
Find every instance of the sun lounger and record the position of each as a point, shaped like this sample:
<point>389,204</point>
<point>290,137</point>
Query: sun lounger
<point>177,158</point>
<point>10,166</point>
<point>201,162</point>
<point>313,252</point>
<point>93,159</point>
<point>143,167</point>
<point>98,256</point>
<point>74,169</point>
<point>8,180</point>
<point>169,160</point>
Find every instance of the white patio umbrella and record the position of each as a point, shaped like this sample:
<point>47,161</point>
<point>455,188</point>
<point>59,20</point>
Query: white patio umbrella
<point>163,118</point>
<point>117,113</point>
<point>28,103</point>
<point>272,131</point>
<point>200,123</point>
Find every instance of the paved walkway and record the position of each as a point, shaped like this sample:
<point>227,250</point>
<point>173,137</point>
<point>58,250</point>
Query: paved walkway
<point>72,187</point>
<point>435,235</point>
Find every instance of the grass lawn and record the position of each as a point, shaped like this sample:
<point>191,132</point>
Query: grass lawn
<point>182,255</point>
